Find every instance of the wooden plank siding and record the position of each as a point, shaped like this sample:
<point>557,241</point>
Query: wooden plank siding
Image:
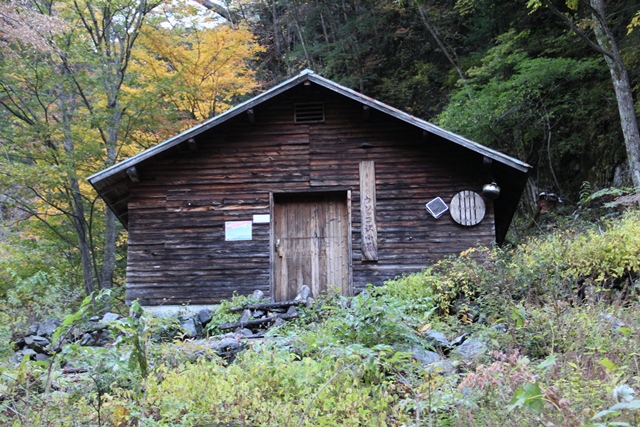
<point>177,250</point>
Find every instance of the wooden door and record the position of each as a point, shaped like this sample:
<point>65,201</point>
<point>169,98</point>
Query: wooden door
<point>311,244</point>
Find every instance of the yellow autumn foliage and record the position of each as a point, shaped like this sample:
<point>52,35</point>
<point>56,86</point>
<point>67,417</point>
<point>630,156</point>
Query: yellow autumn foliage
<point>199,71</point>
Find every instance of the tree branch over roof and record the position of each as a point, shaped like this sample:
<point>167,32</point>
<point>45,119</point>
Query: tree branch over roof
<point>576,29</point>
<point>216,8</point>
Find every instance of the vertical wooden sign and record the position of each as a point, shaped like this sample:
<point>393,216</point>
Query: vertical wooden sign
<point>369,229</point>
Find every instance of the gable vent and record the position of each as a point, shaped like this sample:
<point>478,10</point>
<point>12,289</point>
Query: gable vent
<point>309,112</point>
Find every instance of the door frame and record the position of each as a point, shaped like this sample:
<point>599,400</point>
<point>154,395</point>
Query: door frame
<point>272,246</point>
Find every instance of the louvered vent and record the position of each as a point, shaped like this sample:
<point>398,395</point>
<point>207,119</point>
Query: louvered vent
<point>309,112</point>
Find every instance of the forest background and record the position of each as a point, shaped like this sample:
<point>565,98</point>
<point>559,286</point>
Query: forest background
<point>86,84</point>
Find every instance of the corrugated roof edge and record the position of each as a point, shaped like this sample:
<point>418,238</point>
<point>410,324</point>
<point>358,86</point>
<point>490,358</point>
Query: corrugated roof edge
<point>276,90</point>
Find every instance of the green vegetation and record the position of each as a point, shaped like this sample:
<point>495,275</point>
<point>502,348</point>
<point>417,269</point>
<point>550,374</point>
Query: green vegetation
<point>559,317</point>
<point>510,75</point>
<point>80,86</point>
<point>85,85</point>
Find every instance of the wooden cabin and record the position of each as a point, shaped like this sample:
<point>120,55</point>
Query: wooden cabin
<point>308,183</point>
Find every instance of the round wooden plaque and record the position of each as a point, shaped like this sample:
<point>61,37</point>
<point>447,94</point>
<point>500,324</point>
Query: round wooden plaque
<point>467,208</point>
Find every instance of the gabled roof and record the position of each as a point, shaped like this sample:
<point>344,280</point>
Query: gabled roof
<point>105,181</point>
<point>308,75</point>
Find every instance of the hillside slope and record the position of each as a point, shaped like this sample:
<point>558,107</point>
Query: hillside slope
<point>547,334</point>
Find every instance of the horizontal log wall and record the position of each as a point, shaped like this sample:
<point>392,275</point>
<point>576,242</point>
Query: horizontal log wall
<point>177,248</point>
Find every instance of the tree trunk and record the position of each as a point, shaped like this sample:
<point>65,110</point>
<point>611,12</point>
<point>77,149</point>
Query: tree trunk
<point>607,46</point>
<point>217,8</point>
<point>78,219</point>
<point>276,29</point>
<point>114,51</point>
<point>434,33</point>
<point>296,22</point>
<point>622,88</point>
<point>79,223</point>
<point>109,252</point>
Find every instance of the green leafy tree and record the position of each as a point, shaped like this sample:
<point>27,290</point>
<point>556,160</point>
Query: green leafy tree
<point>198,68</point>
<point>67,117</point>
<point>590,16</point>
<point>538,109</point>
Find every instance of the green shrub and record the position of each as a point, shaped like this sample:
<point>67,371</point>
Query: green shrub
<point>266,388</point>
<point>347,361</point>
<point>566,262</point>
<point>561,368</point>
<point>569,264</point>
<point>41,296</point>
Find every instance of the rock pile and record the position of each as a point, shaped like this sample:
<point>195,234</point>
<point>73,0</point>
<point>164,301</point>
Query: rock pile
<point>444,352</point>
<point>193,326</point>
<point>256,317</point>
<point>36,344</point>
<point>435,353</point>
<point>255,320</point>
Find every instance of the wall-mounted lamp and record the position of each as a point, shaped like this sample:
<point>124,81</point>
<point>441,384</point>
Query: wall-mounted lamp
<point>491,191</point>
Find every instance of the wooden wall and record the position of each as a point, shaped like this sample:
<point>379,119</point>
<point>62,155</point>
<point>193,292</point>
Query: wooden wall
<point>177,250</point>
